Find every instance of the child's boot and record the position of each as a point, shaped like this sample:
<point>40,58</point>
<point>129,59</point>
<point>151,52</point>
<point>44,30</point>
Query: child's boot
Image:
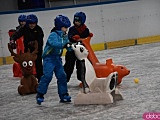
<point>65,98</point>
<point>39,98</point>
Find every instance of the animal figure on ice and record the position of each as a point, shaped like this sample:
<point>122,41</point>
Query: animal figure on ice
<point>28,83</point>
<point>104,69</point>
<point>17,72</point>
<point>101,90</point>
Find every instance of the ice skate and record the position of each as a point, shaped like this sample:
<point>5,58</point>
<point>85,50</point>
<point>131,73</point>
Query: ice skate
<point>39,98</point>
<point>65,98</point>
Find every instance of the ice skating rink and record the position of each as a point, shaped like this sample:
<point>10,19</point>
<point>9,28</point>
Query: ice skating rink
<point>142,60</point>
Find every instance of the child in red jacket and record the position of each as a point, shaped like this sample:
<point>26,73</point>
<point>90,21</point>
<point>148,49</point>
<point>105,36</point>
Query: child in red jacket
<point>79,30</point>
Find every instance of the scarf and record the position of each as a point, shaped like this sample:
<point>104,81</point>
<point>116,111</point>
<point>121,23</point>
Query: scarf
<point>81,28</point>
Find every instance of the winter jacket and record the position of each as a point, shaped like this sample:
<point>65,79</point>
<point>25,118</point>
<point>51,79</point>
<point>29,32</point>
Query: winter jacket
<point>73,31</point>
<point>55,43</point>
<point>30,35</point>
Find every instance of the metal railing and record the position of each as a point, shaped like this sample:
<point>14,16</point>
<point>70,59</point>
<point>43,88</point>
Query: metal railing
<point>58,3</point>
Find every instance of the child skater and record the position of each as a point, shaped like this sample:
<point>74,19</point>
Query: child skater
<point>79,30</point>
<point>31,31</point>
<point>52,61</point>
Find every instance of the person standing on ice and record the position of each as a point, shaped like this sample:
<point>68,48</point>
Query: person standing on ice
<point>79,30</point>
<point>31,32</point>
<point>52,61</point>
<point>22,22</point>
<point>19,43</point>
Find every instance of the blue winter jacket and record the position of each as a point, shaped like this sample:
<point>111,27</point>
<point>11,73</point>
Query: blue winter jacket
<point>55,43</point>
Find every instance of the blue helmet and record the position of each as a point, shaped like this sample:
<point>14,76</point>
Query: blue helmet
<point>22,18</point>
<point>32,19</point>
<point>80,16</point>
<point>61,21</point>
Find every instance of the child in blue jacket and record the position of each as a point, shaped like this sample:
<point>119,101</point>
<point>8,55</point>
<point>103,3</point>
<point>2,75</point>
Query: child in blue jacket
<point>52,61</point>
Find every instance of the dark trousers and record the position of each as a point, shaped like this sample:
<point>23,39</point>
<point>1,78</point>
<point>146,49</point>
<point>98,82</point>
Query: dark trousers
<point>70,60</point>
<point>39,66</point>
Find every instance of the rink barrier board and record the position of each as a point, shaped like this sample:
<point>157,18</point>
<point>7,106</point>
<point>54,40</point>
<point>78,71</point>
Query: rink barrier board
<point>146,40</point>
<point>9,60</point>
<point>1,61</point>
<point>120,43</point>
<point>103,46</point>
<point>98,46</point>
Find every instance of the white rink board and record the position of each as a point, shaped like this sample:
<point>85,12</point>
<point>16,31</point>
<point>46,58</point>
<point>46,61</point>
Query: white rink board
<point>108,22</point>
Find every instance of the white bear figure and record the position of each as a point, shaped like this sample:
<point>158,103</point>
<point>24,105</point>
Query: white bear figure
<point>102,90</point>
<point>81,53</point>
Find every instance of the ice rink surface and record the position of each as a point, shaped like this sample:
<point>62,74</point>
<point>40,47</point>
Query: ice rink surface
<point>142,60</point>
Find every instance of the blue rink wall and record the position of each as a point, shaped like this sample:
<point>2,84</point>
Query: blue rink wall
<point>113,24</point>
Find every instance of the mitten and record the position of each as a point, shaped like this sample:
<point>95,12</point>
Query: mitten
<point>91,34</point>
<point>13,44</point>
<point>76,37</point>
<point>67,45</point>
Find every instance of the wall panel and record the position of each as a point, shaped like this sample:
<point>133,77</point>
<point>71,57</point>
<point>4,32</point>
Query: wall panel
<point>108,22</point>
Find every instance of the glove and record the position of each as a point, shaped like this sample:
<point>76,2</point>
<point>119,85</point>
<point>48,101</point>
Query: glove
<point>12,44</point>
<point>76,37</point>
<point>91,34</point>
<point>67,45</point>
<point>31,43</point>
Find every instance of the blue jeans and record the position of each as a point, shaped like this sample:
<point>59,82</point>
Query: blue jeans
<point>53,64</point>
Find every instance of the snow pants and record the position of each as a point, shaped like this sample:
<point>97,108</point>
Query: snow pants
<point>53,64</point>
